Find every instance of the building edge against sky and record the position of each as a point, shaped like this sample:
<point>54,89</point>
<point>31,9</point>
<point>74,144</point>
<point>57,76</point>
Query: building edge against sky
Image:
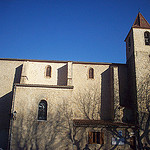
<point>44,103</point>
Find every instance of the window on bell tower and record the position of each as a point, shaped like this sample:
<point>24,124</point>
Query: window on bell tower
<point>129,44</point>
<point>147,38</point>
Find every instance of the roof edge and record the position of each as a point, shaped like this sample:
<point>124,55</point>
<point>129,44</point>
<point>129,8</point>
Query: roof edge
<point>56,61</point>
<point>32,60</point>
<point>85,122</point>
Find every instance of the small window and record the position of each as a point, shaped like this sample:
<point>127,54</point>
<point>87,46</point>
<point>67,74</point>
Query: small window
<point>147,38</point>
<point>129,44</point>
<point>91,73</point>
<point>96,138</point>
<point>48,71</point>
<point>42,110</point>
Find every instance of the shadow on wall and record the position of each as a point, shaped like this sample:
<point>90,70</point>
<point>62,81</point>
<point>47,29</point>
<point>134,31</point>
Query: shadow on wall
<point>107,96</point>
<point>55,133</point>
<point>5,111</point>
<point>123,95</point>
<point>62,76</point>
<point>18,74</point>
<point>123,86</point>
<point>106,113</point>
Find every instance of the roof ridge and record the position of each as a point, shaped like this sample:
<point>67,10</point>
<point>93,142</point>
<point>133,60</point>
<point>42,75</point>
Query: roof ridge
<point>141,22</point>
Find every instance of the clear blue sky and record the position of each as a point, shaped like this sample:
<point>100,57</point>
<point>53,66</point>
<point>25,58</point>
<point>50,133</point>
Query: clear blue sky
<point>75,30</point>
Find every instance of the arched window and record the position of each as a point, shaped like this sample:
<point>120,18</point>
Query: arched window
<point>91,73</point>
<point>147,38</point>
<point>48,71</point>
<point>42,110</point>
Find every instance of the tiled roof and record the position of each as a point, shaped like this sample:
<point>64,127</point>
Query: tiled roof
<point>83,122</point>
<point>141,22</point>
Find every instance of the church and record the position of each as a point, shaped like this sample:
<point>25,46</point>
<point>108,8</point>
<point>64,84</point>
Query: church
<point>69,105</point>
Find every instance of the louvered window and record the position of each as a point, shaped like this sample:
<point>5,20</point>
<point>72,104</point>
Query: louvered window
<point>42,110</point>
<point>147,38</point>
<point>96,138</point>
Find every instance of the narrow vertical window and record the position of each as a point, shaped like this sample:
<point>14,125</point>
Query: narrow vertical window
<point>147,38</point>
<point>42,110</point>
<point>48,71</point>
<point>129,44</point>
<point>91,73</point>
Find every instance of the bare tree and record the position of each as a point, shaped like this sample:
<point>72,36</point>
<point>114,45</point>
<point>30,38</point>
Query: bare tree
<point>28,133</point>
<point>55,133</point>
<point>70,136</point>
<point>143,111</point>
<point>58,131</point>
<point>88,101</point>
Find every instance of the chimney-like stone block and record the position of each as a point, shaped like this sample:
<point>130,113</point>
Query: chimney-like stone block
<point>24,74</point>
<point>69,74</point>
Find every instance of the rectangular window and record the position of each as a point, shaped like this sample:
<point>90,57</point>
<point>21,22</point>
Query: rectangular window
<point>96,138</point>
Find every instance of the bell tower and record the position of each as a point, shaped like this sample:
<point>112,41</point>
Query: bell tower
<point>138,62</point>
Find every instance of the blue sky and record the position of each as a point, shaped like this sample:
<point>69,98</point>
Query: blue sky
<point>75,30</point>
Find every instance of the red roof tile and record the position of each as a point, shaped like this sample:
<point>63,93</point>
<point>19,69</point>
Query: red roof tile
<point>82,122</point>
<point>141,22</point>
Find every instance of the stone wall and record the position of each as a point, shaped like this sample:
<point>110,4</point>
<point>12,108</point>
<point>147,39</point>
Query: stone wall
<point>9,72</point>
<point>69,92</point>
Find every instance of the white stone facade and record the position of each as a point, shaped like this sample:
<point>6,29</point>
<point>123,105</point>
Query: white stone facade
<point>78,105</point>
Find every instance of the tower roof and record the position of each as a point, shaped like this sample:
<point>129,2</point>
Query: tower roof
<point>141,22</point>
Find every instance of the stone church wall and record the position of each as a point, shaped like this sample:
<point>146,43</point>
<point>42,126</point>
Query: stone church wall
<point>36,73</point>
<point>8,75</point>
<point>70,94</point>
